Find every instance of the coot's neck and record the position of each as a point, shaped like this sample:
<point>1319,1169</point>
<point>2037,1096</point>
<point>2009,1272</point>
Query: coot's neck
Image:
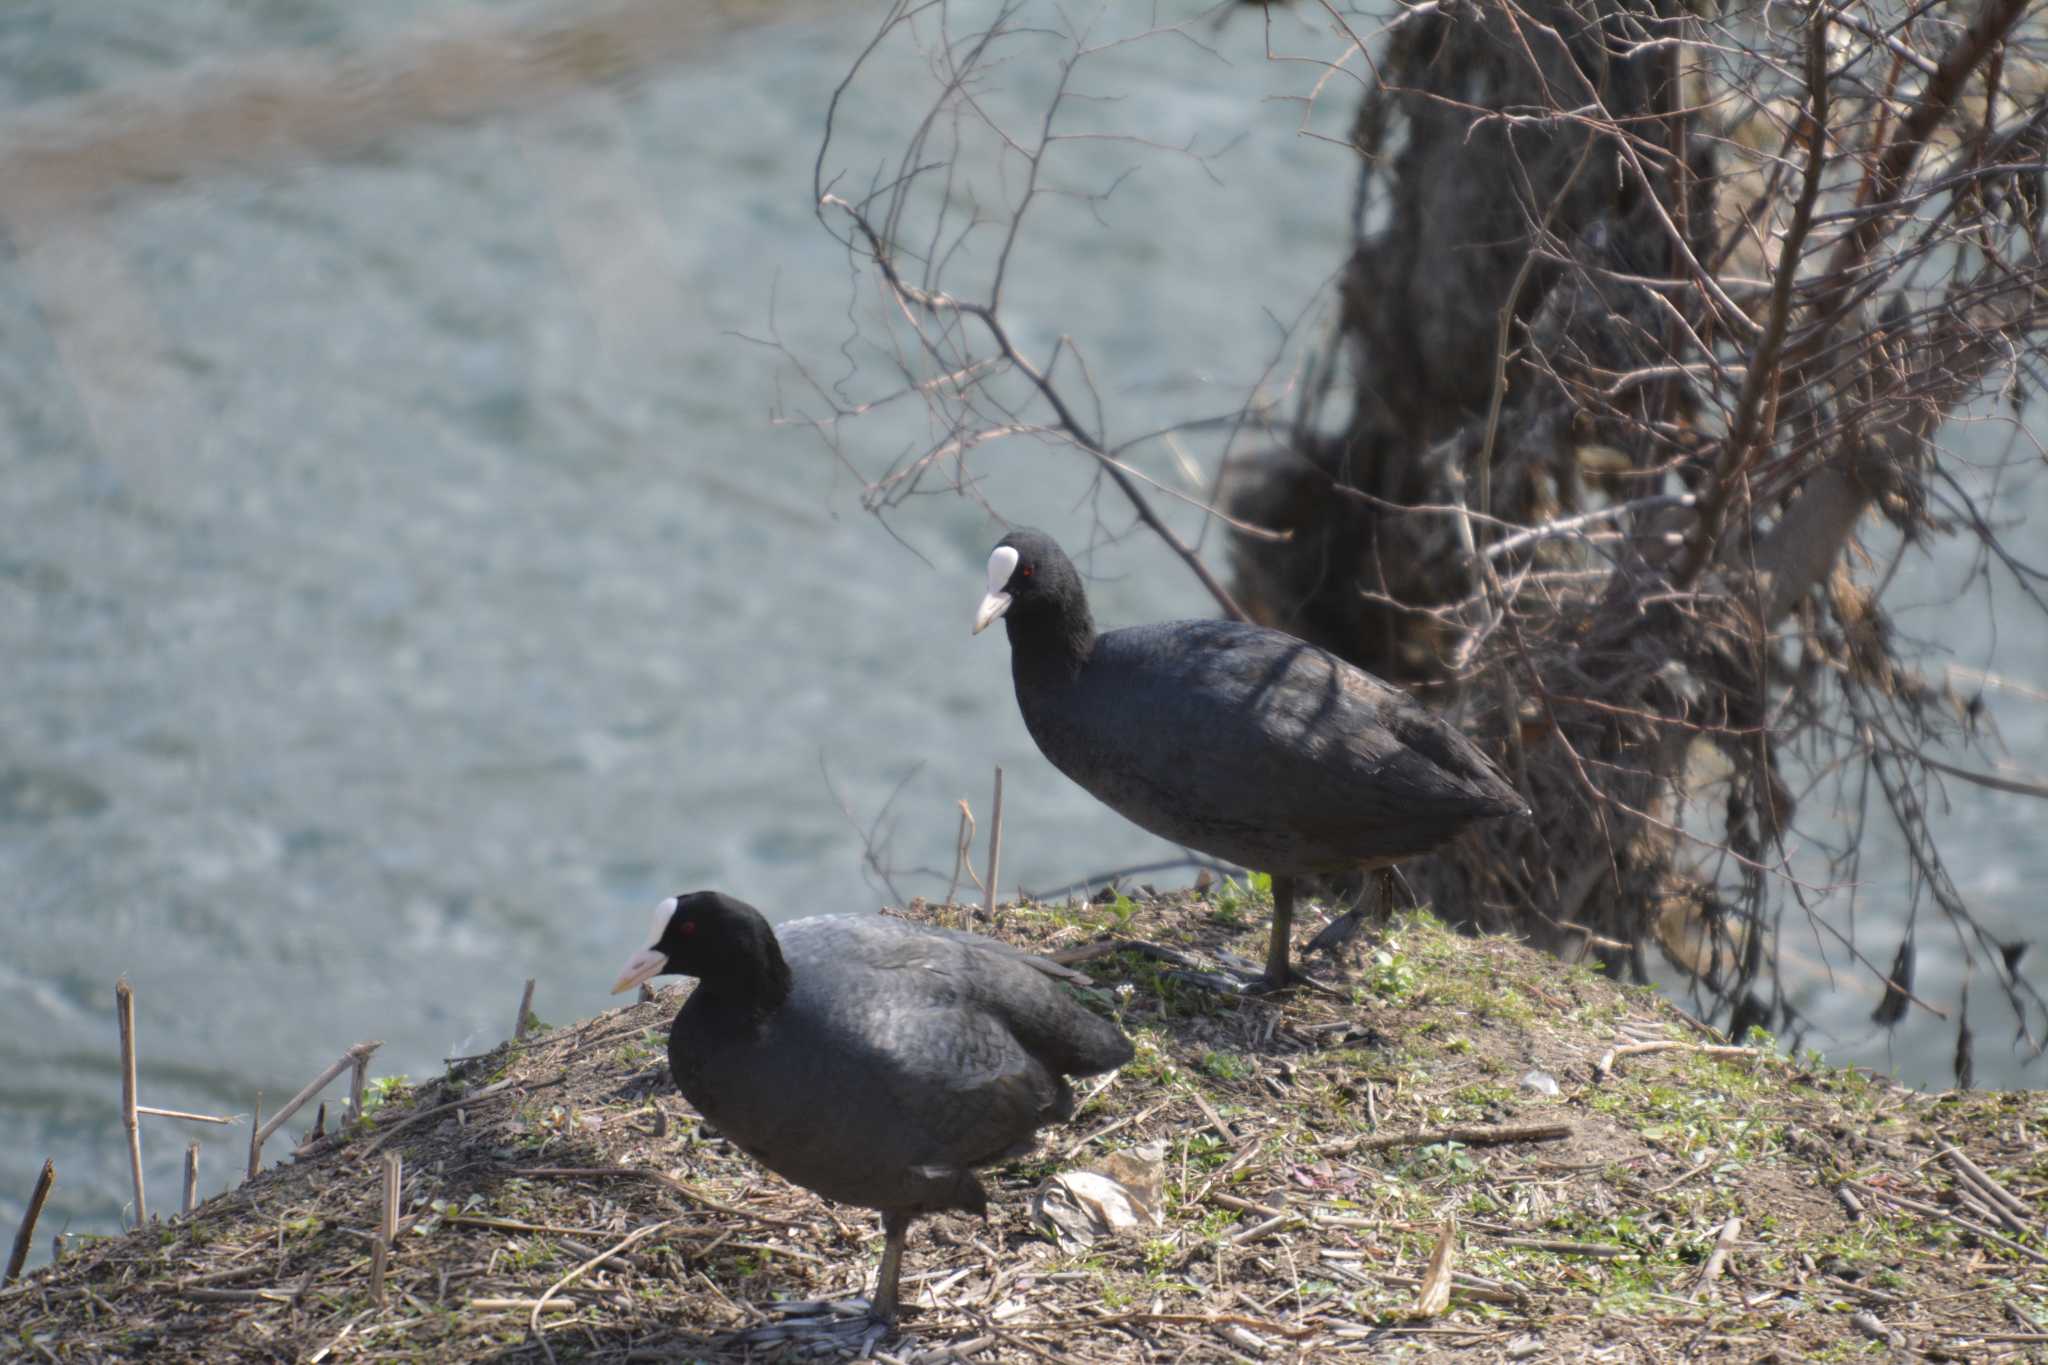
<point>1054,641</point>
<point>748,986</point>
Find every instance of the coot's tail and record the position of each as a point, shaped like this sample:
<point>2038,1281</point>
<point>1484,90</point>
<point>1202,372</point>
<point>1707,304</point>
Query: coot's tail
<point>1467,781</point>
<point>1096,1045</point>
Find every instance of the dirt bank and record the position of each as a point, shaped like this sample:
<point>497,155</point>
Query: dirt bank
<point>1308,1180</point>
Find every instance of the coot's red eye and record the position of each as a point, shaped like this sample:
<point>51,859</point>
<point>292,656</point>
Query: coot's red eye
<point>1024,572</point>
<point>687,927</point>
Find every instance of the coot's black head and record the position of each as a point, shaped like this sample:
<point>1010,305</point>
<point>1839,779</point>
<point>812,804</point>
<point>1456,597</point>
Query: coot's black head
<point>707,934</point>
<point>1033,584</point>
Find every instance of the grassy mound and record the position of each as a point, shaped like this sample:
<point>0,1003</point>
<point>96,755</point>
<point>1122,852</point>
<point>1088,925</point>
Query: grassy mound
<point>1326,1159</point>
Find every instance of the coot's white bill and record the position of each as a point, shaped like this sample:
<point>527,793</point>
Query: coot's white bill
<point>1000,566</point>
<point>644,965</point>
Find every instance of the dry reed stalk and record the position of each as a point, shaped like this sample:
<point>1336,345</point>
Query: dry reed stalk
<point>151,1111</point>
<point>963,846</point>
<point>358,1081</point>
<point>525,1011</point>
<point>355,1056</point>
<point>394,1171</point>
<point>191,1201</point>
<point>386,1234</point>
<point>124,1016</point>
<point>995,850</point>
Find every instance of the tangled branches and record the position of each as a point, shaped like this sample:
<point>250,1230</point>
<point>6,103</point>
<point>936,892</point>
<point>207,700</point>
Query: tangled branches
<point>1752,266</point>
<point>1649,309</point>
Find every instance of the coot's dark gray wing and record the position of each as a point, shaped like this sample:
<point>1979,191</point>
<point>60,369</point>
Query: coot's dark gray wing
<point>1058,971</point>
<point>1261,748</point>
<point>969,1039</point>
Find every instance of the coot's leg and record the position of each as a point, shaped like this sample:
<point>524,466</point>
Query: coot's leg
<point>894,1227</point>
<point>1377,891</point>
<point>1277,974</point>
<point>843,1326</point>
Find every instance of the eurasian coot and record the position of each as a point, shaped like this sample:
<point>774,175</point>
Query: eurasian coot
<point>873,1061</point>
<point>1238,741</point>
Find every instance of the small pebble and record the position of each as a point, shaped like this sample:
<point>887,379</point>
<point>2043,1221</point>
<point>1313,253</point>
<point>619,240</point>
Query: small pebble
<point>1542,1082</point>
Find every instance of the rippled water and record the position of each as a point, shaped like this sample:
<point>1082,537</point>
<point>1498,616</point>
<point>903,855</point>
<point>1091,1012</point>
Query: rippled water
<point>402,584</point>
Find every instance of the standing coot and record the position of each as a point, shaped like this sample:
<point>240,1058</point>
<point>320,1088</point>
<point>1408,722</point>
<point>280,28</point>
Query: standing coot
<point>1241,742</point>
<point>873,1061</point>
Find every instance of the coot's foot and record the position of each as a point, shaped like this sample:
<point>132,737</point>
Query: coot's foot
<point>1337,933</point>
<point>848,1328</point>
<point>1268,984</point>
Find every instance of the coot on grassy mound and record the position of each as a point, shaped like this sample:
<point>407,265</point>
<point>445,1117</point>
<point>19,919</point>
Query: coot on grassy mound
<point>1238,741</point>
<point>873,1061</point>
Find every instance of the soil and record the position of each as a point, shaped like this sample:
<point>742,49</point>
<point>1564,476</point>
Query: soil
<point>1439,1111</point>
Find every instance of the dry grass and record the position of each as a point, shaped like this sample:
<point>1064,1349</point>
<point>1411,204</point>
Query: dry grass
<point>1301,1216</point>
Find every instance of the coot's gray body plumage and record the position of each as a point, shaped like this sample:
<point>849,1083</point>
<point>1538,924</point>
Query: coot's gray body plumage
<point>873,1061</point>
<point>1239,741</point>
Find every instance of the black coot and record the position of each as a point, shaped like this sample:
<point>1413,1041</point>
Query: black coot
<point>872,1061</point>
<point>1241,742</point>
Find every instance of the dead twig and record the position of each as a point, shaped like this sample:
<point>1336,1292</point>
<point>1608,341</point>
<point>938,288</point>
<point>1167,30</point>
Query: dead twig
<point>660,1178</point>
<point>1177,1319</point>
<point>18,1258</point>
<point>1604,1068</point>
<point>232,1295</point>
<point>1223,1130</point>
<point>477,1097</point>
<point>1603,1251</point>
<point>1935,1211</point>
<point>358,1081</point>
<point>1267,1228</point>
<point>2008,1207</point>
<point>1717,1259</point>
<point>1470,1137</point>
<point>540,1304</point>
<point>938,302</point>
<point>478,1220</point>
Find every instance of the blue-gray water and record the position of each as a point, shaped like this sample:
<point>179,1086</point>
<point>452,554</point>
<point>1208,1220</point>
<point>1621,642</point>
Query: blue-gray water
<point>402,582</point>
